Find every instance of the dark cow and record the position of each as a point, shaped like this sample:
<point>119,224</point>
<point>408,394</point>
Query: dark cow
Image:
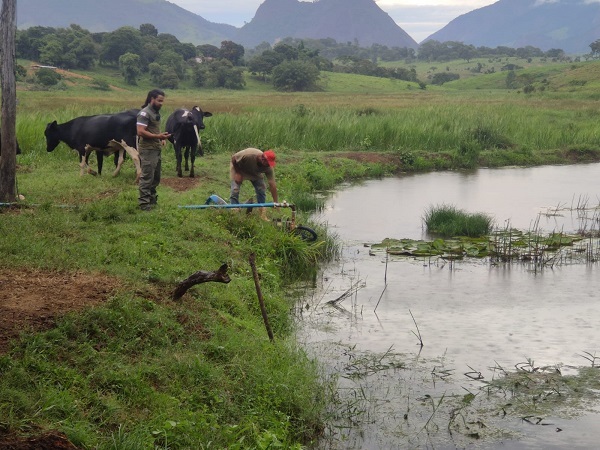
<point>18,148</point>
<point>104,134</point>
<point>183,125</point>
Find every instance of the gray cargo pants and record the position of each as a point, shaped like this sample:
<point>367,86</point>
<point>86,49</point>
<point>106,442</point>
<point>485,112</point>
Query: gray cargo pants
<point>151,166</point>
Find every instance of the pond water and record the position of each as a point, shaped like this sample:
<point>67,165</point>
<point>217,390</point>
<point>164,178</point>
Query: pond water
<point>477,320</point>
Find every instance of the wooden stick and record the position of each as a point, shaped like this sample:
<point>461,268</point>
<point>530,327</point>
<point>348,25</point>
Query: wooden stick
<point>220,276</point>
<point>263,310</point>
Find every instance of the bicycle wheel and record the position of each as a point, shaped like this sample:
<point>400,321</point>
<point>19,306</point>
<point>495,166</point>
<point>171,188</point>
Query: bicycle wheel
<point>305,233</point>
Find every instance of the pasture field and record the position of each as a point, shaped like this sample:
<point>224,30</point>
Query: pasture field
<point>127,367</point>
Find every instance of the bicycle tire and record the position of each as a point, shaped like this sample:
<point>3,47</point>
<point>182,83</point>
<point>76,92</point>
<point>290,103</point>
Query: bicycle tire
<point>305,233</point>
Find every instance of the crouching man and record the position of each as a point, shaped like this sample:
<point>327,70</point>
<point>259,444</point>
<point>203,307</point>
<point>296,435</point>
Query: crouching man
<point>253,165</point>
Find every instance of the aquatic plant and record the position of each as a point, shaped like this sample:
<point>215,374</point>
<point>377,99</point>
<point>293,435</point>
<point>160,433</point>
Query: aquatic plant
<point>447,220</point>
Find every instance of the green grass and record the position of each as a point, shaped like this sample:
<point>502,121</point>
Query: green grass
<point>142,371</point>
<point>137,371</point>
<point>449,221</point>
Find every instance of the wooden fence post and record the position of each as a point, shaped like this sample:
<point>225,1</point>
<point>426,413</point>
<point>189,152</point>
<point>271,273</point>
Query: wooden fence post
<point>263,310</point>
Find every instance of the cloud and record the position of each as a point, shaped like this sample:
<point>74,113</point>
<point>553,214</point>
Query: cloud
<point>231,12</point>
<point>420,22</point>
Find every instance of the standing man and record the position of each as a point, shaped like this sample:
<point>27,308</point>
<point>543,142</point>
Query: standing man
<point>150,141</point>
<point>253,165</point>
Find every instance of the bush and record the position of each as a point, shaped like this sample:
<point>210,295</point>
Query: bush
<point>47,77</point>
<point>295,76</point>
<point>444,77</point>
<point>101,85</point>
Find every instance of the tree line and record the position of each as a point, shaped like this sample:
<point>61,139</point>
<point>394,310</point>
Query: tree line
<point>135,52</point>
<point>292,64</point>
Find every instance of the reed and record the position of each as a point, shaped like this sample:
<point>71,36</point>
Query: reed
<point>447,220</point>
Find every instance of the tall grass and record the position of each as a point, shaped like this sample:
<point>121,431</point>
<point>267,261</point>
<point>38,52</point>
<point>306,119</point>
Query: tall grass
<point>430,123</point>
<point>421,128</point>
<point>449,221</point>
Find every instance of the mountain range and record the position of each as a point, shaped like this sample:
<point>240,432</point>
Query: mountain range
<point>571,25</point>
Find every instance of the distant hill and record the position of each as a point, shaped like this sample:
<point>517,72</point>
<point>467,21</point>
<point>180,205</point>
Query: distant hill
<point>567,24</point>
<point>108,15</point>
<point>571,25</point>
<point>343,20</point>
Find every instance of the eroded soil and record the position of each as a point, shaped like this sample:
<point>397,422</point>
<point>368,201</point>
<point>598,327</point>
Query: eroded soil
<point>32,299</point>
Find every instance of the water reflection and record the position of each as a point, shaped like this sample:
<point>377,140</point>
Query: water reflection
<point>472,316</point>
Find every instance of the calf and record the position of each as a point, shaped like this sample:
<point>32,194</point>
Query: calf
<point>103,133</point>
<point>183,125</point>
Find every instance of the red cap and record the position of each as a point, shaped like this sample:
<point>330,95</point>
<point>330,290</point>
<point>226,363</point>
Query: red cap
<point>270,155</point>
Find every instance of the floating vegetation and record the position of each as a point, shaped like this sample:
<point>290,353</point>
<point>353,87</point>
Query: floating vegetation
<point>504,245</point>
<point>411,401</point>
<point>508,245</point>
<point>448,249</point>
<point>533,392</point>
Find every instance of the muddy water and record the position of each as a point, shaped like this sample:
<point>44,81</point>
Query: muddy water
<point>475,319</point>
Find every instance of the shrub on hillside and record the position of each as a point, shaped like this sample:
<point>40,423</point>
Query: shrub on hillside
<point>47,77</point>
<point>444,77</point>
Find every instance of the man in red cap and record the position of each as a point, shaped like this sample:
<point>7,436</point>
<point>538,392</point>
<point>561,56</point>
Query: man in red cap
<point>254,165</point>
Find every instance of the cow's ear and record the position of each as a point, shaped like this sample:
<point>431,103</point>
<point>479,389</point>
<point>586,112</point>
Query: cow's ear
<point>207,114</point>
<point>54,124</point>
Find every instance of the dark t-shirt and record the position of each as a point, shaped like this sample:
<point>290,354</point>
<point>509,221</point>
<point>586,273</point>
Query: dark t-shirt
<point>150,118</point>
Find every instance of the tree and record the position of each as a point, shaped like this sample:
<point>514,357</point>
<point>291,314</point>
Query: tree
<point>172,60</point>
<point>147,29</point>
<point>121,41</point>
<point>208,51</point>
<point>264,64</point>
<point>52,52</point>
<point>187,51</point>
<point>86,52</point>
<point>555,53</point>
<point>467,52</point>
<point>232,52</point>
<point>8,140</point>
<point>511,79</point>
<point>295,76</point>
<point>595,46</point>
<point>169,80</point>
<point>444,77</point>
<point>150,51</point>
<point>199,75</point>
<point>130,67</point>
<point>156,72</point>
<point>28,42</point>
<point>219,73</point>
<point>288,52</point>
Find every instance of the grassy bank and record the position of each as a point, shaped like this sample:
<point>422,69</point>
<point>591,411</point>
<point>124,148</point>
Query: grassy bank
<point>138,370</point>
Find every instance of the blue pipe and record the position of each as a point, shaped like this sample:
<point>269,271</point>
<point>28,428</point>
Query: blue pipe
<point>34,204</point>
<point>239,205</point>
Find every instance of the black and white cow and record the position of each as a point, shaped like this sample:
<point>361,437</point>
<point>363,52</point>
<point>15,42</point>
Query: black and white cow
<point>103,133</point>
<point>184,126</point>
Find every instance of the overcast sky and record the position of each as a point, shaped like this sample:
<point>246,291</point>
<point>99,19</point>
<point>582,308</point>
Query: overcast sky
<point>419,18</point>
